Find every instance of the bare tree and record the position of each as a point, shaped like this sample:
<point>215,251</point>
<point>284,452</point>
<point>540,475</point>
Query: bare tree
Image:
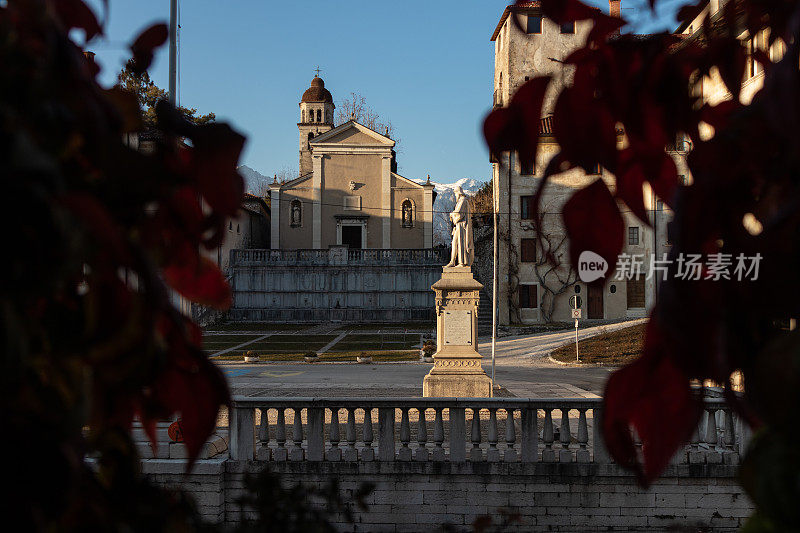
<point>355,107</point>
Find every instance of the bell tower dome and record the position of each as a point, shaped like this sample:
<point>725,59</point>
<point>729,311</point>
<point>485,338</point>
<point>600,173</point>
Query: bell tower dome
<point>316,117</point>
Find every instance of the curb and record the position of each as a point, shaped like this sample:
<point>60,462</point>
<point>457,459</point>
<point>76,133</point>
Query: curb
<point>585,365</point>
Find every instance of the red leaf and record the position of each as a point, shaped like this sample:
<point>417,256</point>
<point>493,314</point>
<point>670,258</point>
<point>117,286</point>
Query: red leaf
<point>192,386</point>
<point>214,160</point>
<point>76,14</point>
<point>98,222</point>
<point>630,182</point>
<point>653,397</point>
<point>517,126</point>
<point>593,222</point>
<point>142,48</point>
<point>200,281</point>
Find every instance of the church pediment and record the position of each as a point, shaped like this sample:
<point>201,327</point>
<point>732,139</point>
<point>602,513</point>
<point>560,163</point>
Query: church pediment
<point>352,134</point>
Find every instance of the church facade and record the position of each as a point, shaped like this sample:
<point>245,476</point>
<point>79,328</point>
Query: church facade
<point>349,192</point>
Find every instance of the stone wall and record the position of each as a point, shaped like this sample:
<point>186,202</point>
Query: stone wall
<point>412,496</point>
<point>335,285</point>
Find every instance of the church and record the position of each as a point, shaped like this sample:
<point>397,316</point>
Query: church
<point>349,192</point>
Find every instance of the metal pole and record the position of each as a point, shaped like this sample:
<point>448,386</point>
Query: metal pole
<point>577,357</point>
<point>494,291</point>
<point>173,50</point>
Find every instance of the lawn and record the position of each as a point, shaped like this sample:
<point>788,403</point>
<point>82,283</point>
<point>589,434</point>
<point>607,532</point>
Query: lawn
<point>613,349</point>
<point>368,342</point>
<point>379,356</point>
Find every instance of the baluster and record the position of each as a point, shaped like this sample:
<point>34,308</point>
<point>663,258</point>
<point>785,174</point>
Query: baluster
<point>582,455</point>
<point>510,454</point>
<point>315,433</point>
<point>475,454</point>
<point>712,438</point>
<point>730,456</point>
<point>262,451</point>
<point>350,453</point>
<point>492,454</point>
<point>296,453</point>
<point>565,454</point>
<point>405,436</point>
<point>280,453</point>
<point>438,435</point>
<point>335,453</point>
<point>368,453</point>
<point>422,436</point>
<point>695,456</point>
<point>548,454</point>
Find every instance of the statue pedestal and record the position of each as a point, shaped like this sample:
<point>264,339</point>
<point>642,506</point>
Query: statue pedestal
<point>456,368</point>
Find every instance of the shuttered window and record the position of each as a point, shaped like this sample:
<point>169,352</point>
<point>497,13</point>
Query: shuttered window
<point>528,250</point>
<point>526,207</point>
<point>528,296</point>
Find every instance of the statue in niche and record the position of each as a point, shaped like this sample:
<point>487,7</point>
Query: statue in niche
<point>295,213</point>
<point>463,248</point>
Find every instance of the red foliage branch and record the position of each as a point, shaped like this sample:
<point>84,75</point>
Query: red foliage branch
<point>100,234</point>
<point>630,98</point>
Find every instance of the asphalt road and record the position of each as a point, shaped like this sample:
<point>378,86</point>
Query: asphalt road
<point>521,366</point>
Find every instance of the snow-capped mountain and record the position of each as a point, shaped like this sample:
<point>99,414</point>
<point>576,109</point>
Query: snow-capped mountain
<point>254,181</point>
<point>444,204</point>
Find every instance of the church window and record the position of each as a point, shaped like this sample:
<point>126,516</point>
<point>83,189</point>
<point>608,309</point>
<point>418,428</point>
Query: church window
<point>534,24</point>
<point>408,214</point>
<point>319,115</point>
<point>568,27</point>
<point>296,213</point>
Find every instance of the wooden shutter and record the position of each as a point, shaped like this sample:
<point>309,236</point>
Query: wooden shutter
<point>636,297</point>
<point>528,250</point>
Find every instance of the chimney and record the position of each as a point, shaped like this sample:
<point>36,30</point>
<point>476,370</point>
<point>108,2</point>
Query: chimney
<point>613,8</point>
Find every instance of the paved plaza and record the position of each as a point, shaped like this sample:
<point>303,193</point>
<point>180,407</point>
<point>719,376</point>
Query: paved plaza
<point>522,368</point>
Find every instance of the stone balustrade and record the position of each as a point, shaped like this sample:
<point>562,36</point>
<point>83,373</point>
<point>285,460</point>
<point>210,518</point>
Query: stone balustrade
<point>450,430</point>
<point>338,255</point>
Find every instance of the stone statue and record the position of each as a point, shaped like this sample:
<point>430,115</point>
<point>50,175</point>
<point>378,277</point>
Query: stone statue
<point>463,248</point>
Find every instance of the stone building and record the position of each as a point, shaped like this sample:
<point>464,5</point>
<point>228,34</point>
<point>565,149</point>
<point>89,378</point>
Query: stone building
<point>349,192</point>
<point>529,290</point>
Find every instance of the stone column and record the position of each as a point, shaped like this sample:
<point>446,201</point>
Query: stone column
<point>457,368</point>
<point>316,200</point>
<point>427,215</point>
<point>386,201</point>
<point>275,216</point>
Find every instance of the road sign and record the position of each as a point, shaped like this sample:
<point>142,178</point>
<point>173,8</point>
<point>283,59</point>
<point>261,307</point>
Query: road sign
<point>575,302</point>
<point>576,313</point>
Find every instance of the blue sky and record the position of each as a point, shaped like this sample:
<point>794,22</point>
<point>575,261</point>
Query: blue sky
<point>426,66</point>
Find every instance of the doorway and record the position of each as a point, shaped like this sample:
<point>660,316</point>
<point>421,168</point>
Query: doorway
<point>351,236</point>
<point>595,304</point>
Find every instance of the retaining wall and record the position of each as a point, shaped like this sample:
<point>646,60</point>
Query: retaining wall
<point>412,496</point>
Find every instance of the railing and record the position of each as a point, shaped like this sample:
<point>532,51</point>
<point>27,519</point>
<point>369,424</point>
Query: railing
<point>338,256</point>
<point>535,430</point>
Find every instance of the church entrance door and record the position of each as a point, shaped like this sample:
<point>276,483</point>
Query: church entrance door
<point>351,236</point>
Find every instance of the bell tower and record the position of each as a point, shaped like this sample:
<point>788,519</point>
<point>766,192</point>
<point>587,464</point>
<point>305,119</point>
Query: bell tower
<point>316,117</point>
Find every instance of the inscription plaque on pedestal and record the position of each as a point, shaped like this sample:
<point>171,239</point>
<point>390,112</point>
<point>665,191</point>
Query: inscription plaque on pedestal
<point>457,368</point>
<point>458,327</point>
